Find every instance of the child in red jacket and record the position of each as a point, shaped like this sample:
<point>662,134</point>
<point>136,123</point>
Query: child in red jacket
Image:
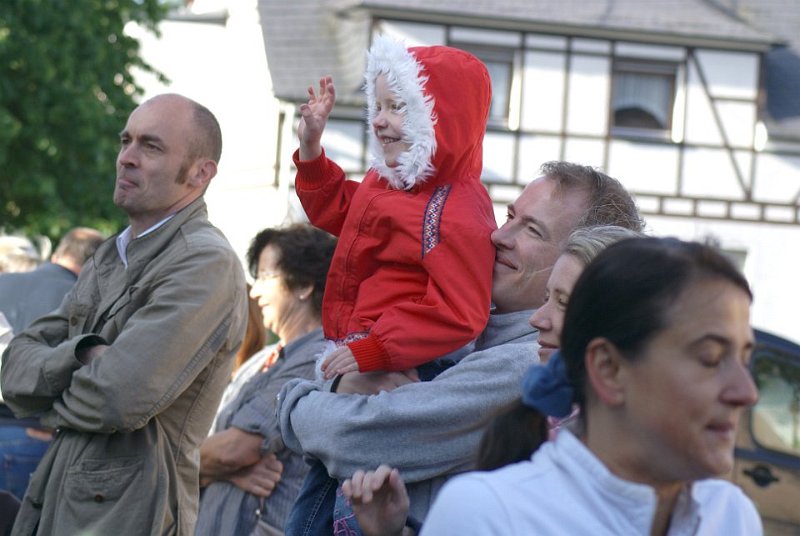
<point>410,280</point>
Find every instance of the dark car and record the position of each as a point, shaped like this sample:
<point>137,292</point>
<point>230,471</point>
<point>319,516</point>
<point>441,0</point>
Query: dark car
<point>767,464</point>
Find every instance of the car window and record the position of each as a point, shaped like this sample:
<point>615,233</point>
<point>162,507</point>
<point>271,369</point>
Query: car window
<point>775,422</point>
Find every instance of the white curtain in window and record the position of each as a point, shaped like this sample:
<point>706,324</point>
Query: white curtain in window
<point>646,91</point>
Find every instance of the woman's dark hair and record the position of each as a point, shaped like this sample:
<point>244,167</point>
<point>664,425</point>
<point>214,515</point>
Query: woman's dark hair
<point>305,256</point>
<point>511,436</point>
<point>626,293</point>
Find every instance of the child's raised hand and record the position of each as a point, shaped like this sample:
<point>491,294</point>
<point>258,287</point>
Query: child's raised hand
<point>380,500</point>
<point>340,361</point>
<point>314,117</point>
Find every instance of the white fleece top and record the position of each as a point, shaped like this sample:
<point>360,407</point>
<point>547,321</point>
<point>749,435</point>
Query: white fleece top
<point>565,490</point>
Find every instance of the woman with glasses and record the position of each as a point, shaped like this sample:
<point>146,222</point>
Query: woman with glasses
<point>250,479</point>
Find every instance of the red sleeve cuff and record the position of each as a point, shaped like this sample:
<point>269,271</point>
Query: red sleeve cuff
<point>311,174</point>
<point>369,354</point>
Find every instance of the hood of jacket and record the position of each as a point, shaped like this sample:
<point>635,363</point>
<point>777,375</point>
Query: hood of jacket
<point>447,93</point>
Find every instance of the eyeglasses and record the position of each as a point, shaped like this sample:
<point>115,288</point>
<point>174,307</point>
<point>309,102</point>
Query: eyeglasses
<point>264,276</point>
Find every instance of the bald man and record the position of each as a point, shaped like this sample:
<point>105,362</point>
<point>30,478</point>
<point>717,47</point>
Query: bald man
<point>130,368</point>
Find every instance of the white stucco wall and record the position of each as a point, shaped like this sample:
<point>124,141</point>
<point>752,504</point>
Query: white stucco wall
<point>770,265</point>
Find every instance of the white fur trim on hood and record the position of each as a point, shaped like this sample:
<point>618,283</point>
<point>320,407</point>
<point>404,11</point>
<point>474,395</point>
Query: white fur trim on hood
<point>405,79</point>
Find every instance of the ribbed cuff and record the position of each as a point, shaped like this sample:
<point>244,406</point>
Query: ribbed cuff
<point>369,354</point>
<point>311,174</point>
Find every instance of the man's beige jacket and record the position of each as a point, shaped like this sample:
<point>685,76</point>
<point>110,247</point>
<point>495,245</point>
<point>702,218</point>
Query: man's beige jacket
<point>125,457</point>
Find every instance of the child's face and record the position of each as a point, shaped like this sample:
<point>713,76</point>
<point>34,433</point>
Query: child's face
<point>388,122</point>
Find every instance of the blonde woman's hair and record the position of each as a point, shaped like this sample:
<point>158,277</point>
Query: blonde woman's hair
<point>587,242</point>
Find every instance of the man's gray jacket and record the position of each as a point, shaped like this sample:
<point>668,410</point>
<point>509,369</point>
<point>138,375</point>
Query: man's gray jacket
<point>428,430</point>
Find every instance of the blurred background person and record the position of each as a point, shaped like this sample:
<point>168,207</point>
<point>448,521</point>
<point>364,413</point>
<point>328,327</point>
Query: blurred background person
<point>250,478</point>
<point>24,297</point>
<point>17,254</point>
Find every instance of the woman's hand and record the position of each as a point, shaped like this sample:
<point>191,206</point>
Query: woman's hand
<point>380,501</point>
<point>314,117</point>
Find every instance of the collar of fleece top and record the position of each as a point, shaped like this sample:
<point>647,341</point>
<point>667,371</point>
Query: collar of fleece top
<point>447,93</point>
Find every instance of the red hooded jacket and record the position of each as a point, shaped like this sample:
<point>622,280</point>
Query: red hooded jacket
<point>410,279</point>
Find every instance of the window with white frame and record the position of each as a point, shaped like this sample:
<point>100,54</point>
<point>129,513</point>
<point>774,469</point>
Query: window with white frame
<point>500,64</point>
<point>642,95</point>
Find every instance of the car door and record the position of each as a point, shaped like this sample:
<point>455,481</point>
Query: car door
<point>767,465</point>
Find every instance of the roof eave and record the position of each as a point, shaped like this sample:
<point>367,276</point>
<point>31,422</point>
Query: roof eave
<point>573,30</point>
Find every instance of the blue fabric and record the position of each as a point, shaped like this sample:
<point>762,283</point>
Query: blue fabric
<point>546,388</point>
<point>312,513</point>
<point>249,404</point>
<point>344,519</point>
<point>25,296</point>
<point>428,371</point>
<point>20,454</point>
<point>414,524</point>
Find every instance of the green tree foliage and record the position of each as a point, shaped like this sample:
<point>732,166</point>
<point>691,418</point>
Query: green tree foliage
<point>66,90</point>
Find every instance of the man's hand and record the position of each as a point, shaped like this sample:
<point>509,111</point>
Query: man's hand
<point>314,118</point>
<point>380,501</point>
<point>340,361</point>
<point>42,434</point>
<point>87,354</point>
<point>260,478</point>
<point>229,451</point>
<point>372,383</point>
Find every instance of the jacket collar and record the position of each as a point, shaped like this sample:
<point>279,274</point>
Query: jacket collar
<point>639,501</point>
<point>141,250</point>
<point>505,328</point>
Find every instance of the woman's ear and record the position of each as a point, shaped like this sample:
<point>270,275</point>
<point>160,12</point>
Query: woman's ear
<point>304,293</point>
<point>604,370</point>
